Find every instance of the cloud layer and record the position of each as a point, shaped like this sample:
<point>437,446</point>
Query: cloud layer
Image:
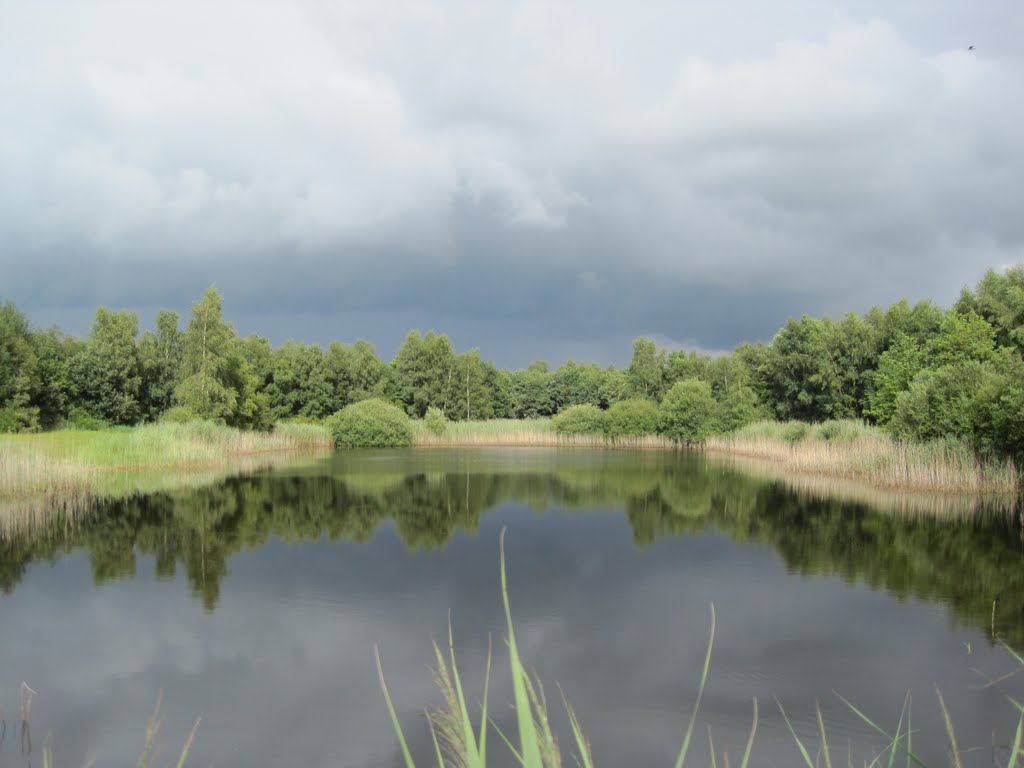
<point>582,171</point>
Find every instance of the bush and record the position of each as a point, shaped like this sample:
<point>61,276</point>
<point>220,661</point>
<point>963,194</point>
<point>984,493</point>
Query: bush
<point>689,414</point>
<point>371,423</point>
<point>580,420</point>
<point>15,419</point>
<point>179,414</point>
<point>435,421</point>
<point>795,431</point>
<point>629,418</point>
<point>79,418</point>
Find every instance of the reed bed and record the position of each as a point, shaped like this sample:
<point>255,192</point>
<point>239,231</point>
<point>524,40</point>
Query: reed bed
<point>525,433</point>
<point>848,449</point>
<point>66,472</point>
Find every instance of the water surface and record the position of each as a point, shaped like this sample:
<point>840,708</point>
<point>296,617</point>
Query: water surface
<point>256,603</point>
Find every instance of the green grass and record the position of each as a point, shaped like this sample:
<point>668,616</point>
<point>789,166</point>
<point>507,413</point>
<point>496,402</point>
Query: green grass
<point>66,471</point>
<point>459,742</point>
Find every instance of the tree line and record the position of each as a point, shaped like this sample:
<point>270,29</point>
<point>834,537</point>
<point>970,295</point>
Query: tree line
<point>921,370</point>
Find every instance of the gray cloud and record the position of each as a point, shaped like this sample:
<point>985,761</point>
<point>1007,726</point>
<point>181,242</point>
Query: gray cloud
<point>534,180</point>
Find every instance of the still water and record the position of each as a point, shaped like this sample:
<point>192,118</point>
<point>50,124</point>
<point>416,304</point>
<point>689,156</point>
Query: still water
<point>255,604</point>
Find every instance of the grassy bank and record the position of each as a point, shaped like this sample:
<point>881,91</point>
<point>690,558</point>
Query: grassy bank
<point>847,450</point>
<point>67,470</point>
<point>852,450</point>
<point>525,433</point>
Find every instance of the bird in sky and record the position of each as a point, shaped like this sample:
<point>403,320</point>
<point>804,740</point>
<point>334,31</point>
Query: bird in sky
<point>970,47</point>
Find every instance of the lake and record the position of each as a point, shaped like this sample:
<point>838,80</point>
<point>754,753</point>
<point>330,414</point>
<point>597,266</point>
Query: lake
<point>256,603</point>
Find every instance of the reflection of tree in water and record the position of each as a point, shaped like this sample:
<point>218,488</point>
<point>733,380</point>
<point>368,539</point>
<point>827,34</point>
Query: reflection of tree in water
<point>967,562</point>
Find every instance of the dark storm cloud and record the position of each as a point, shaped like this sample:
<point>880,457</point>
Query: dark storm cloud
<point>538,180</point>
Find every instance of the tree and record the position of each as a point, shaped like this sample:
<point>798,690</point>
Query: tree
<point>999,298</point>
<point>17,371</point>
<point>469,395</point>
<point>106,373</point>
<point>688,413</point>
<point>160,360</point>
<point>646,372</point>
<point>897,367</point>
<point>422,372</point>
<point>218,381</point>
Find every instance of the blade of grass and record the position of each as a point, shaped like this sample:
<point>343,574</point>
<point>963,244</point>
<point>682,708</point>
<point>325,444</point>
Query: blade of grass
<point>391,710</point>
<point>879,729</point>
<point>711,745</point>
<point>529,748</point>
<point>949,729</point>
<point>1015,750</point>
<point>803,750</point>
<point>188,743</point>
<point>437,746</point>
<point>750,741</point>
<point>585,759</point>
<point>899,729</point>
<point>824,739</point>
<point>473,758</point>
<point>700,693</point>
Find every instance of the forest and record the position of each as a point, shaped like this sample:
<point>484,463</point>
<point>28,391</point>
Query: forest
<point>922,371</point>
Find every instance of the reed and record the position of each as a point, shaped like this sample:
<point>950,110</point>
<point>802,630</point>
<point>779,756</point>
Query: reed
<point>526,433</point>
<point>66,471</point>
<point>849,449</point>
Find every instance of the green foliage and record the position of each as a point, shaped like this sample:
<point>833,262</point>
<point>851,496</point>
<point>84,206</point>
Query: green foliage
<point>178,414</point>
<point>435,421</point>
<point>941,402</point>
<point>630,418</point>
<point>106,373</point>
<point>999,298</point>
<point>81,420</point>
<point>962,337</point>
<point>371,423</point>
<point>580,420</point>
<point>646,372</point>
<point>689,414</point>
<point>160,361</point>
<point>897,367</point>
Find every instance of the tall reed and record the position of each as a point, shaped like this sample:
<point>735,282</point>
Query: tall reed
<point>853,450</point>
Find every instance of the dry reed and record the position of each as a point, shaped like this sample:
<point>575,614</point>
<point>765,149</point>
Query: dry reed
<point>536,433</point>
<point>870,455</point>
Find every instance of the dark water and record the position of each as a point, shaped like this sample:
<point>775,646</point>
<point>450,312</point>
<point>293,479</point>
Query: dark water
<point>256,604</point>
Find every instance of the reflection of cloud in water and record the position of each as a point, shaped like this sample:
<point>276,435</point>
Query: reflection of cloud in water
<point>282,670</point>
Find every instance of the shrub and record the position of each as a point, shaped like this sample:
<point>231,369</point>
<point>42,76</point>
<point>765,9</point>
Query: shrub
<point>435,420</point>
<point>689,414</point>
<point>795,431</point>
<point>79,418</point>
<point>580,420</point>
<point>631,417</point>
<point>179,414</point>
<point>371,423</point>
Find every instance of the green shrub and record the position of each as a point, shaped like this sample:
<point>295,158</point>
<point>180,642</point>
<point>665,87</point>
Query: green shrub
<point>580,420</point>
<point>689,414</point>
<point>630,418</point>
<point>795,431</point>
<point>179,414</point>
<point>840,431</point>
<point>435,421</point>
<point>18,419</point>
<point>80,419</point>
<point>371,423</point>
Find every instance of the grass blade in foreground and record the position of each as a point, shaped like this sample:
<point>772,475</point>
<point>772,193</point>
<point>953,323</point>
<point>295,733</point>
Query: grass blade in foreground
<point>700,693</point>
<point>529,748</point>
<point>391,709</point>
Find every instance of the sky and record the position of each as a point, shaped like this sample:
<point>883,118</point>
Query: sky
<point>542,179</point>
